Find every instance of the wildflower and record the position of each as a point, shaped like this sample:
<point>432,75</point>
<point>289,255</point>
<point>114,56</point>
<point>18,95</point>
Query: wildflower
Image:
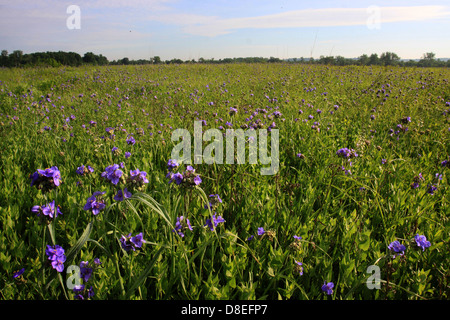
<point>82,170</point>
<point>121,195</point>
<point>112,173</point>
<point>261,231</point>
<point>130,140</point>
<point>127,155</point>
<point>328,288</point>
<point>137,178</point>
<point>215,221</point>
<point>431,189</point>
<point>57,257</point>
<point>47,179</point>
<point>95,203</point>
<point>422,242</point>
<point>301,156</point>
<point>214,201</point>
<point>181,225</point>
<point>383,161</point>
<point>296,243</point>
<point>85,271</point>
<point>80,291</point>
<point>298,267</point>
<point>172,164</point>
<point>49,210</point>
<point>17,274</point>
<point>397,247</point>
<point>132,243</point>
<point>346,153</point>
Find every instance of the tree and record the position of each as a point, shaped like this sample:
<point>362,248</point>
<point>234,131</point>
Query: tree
<point>389,58</point>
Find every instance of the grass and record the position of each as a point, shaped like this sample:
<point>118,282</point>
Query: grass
<point>346,213</point>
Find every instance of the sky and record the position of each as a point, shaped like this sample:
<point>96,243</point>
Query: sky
<point>188,29</point>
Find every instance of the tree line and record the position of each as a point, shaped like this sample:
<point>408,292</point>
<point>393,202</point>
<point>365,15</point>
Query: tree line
<point>54,59</point>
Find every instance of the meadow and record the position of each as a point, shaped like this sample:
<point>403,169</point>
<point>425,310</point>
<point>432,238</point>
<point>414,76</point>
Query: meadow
<point>358,209</point>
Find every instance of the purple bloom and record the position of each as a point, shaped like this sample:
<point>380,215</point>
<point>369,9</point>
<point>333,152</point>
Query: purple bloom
<point>197,180</point>
<point>57,257</point>
<point>85,271</point>
<point>17,274</point>
<point>298,267</point>
<point>112,173</point>
<point>172,164</point>
<point>95,203</point>
<point>328,288</point>
<point>130,140</point>
<point>215,221</point>
<point>120,196</point>
<point>422,242</point>
<point>431,189</point>
<point>49,210</point>
<point>261,231</point>
<point>397,247</point>
<point>131,243</point>
<point>127,155</point>
<point>181,225</point>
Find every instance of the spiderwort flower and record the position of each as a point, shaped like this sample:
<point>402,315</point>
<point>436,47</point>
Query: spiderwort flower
<point>215,221</point>
<point>328,288</point>
<point>47,179</point>
<point>181,225</point>
<point>83,170</point>
<point>172,164</point>
<point>122,195</point>
<point>112,173</point>
<point>95,203</point>
<point>298,267</point>
<point>17,274</point>
<point>85,271</point>
<point>261,231</point>
<point>422,242</point>
<point>132,243</point>
<point>57,257</point>
<point>214,201</point>
<point>397,247</point>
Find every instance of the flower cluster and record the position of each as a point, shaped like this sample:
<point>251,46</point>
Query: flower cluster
<point>181,225</point>
<point>214,201</point>
<point>328,288</point>
<point>49,211</point>
<point>346,153</point>
<point>95,203</point>
<point>47,179</point>
<point>188,178</point>
<point>83,170</point>
<point>213,222</point>
<point>81,291</point>
<point>132,243</point>
<point>56,255</point>
<point>399,249</point>
<point>137,179</point>
<point>112,173</point>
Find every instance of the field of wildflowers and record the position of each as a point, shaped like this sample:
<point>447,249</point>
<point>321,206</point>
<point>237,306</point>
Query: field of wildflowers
<point>93,206</point>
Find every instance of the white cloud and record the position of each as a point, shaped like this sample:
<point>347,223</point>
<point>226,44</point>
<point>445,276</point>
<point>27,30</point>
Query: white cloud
<point>327,17</point>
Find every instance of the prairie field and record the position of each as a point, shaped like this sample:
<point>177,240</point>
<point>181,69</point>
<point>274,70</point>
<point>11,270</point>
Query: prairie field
<point>93,205</point>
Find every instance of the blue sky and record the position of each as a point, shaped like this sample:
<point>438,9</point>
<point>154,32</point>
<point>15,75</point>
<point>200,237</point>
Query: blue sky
<point>140,29</point>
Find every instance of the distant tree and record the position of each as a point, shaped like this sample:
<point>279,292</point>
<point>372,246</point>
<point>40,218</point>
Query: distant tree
<point>373,59</point>
<point>389,58</point>
<point>4,58</point>
<point>363,60</point>
<point>155,60</point>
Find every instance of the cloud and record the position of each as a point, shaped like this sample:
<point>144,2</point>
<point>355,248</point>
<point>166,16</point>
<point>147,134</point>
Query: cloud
<point>326,17</point>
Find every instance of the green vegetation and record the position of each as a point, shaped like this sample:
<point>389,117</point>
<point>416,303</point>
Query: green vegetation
<point>345,207</point>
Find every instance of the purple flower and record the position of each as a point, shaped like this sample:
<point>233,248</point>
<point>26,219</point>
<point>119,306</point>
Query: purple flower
<point>112,173</point>
<point>49,210</point>
<point>431,189</point>
<point>298,267</point>
<point>261,231</point>
<point>120,196</point>
<point>422,242</point>
<point>95,203</point>
<point>46,179</point>
<point>214,201</point>
<point>57,257</point>
<point>85,271</point>
<point>215,221</point>
<point>18,273</point>
<point>328,288</point>
<point>127,155</point>
<point>172,164</point>
<point>181,225</point>
<point>397,247</point>
<point>131,243</point>
<point>130,140</point>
